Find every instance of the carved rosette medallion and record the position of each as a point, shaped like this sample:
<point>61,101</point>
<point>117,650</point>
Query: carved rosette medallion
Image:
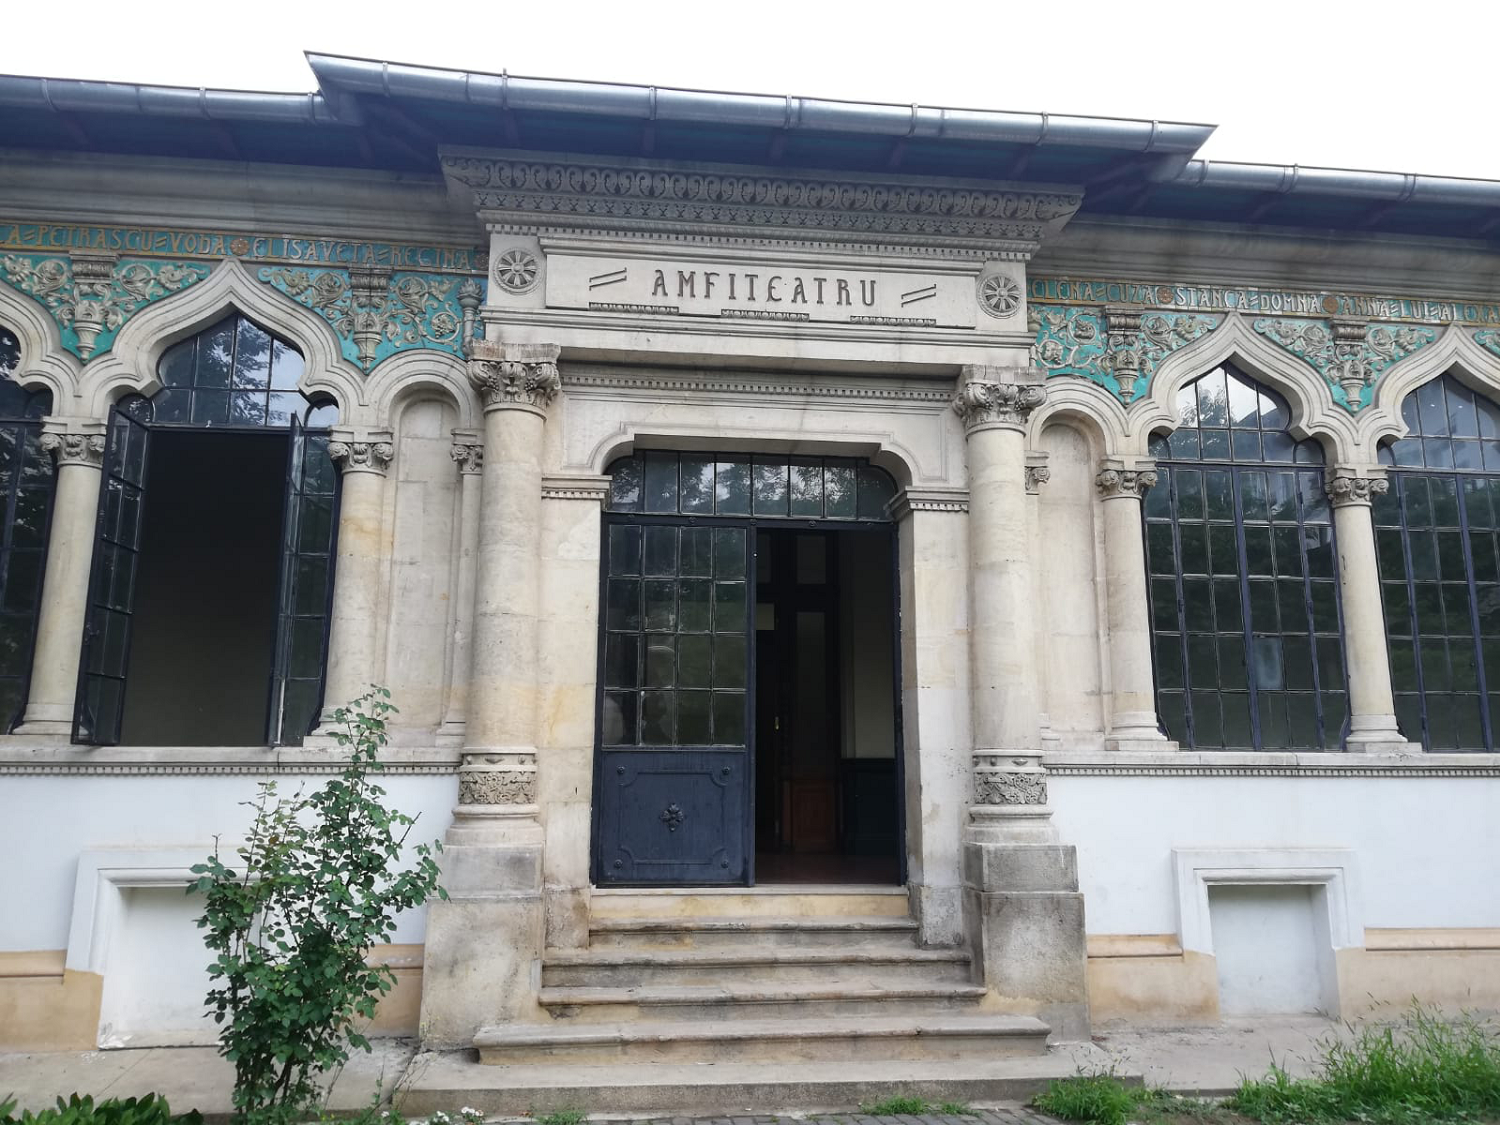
<point>497,779</point>
<point>1112,483</point>
<point>362,456</point>
<point>1001,779</point>
<point>1344,490</point>
<point>507,382</point>
<point>516,271</point>
<point>469,458</point>
<point>75,449</point>
<point>982,404</point>
<point>999,295</point>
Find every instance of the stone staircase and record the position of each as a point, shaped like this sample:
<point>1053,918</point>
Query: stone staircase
<point>780,997</point>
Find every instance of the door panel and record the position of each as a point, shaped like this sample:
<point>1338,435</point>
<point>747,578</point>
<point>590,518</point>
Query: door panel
<point>112,582</point>
<point>674,783</point>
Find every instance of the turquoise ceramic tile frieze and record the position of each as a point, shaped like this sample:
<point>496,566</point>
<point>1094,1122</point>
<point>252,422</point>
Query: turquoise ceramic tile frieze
<point>92,298</point>
<point>1120,352</point>
<point>1350,356</point>
<point>1488,339</point>
<point>378,314</point>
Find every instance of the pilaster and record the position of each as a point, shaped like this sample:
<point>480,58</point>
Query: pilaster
<point>468,459</point>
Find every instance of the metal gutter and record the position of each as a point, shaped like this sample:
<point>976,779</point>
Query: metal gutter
<point>71,95</point>
<point>659,103</point>
<point>1392,187</point>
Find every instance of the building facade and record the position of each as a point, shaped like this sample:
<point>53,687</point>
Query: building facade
<point>815,520</point>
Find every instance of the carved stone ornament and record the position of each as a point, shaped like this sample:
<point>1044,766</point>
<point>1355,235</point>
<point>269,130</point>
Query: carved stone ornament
<point>75,449</point>
<point>1000,295</point>
<point>509,382</point>
<point>1002,788</point>
<point>469,458</point>
<point>1124,482</point>
<point>1343,490</point>
<point>981,403</point>
<point>1118,348</point>
<point>497,787</point>
<point>1350,354</point>
<point>516,271</point>
<point>362,456</point>
<point>1036,476</point>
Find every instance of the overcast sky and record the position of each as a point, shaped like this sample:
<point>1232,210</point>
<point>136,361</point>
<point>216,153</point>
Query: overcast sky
<point>1358,84</point>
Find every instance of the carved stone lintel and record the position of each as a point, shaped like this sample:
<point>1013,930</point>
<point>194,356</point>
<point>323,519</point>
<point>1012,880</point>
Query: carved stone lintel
<point>1345,489</point>
<point>362,456</point>
<point>497,779</point>
<point>518,375</point>
<point>469,458</point>
<point>1112,483</point>
<point>984,401</point>
<point>75,449</point>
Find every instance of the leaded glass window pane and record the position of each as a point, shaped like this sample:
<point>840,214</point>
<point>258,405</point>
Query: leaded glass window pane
<point>1439,565</point>
<point>26,485</point>
<point>766,487</point>
<point>1243,581</point>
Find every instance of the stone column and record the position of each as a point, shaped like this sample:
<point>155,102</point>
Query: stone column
<point>1132,720</point>
<point>1372,708</point>
<point>363,456</point>
<point>1022,908</point>
<point>78,446</point>
<point>483,943</point>
<point>468,455</point>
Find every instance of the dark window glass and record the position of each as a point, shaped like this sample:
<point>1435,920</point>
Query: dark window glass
<point>1244,596</point>
<point>26,483</point>
<point>764,486</point>
<point>1439,560</point>
<point>234,374</point>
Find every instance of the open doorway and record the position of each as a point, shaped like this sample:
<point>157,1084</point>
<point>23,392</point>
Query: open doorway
<point>825,710</point>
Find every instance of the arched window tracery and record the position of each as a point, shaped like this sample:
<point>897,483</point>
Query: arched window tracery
<point>1246,630</point>
<point>26,486</point>
<point>1437,534</point>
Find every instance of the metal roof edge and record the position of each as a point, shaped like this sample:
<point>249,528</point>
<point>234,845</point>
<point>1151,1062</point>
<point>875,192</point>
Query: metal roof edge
<point>1292,179</point>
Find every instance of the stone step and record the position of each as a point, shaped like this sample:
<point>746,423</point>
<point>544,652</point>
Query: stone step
<point>742,1001</point>
<point>874,967</point>
<point>828,1039</point>
<point>887,931</point>
<point>800,901</point>
<point>442,1080</point>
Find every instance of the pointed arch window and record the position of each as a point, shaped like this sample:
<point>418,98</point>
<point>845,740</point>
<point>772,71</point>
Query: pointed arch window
<point>1246,628</point>
<point>1437,535</point>
<point>26,487</point>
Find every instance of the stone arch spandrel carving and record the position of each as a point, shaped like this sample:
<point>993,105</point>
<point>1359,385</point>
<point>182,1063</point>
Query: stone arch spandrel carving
<point>1456,352</point>
<point>416,374</point>
<point>130,365</point>
<point>1314,412</point>
<point>44,361</point>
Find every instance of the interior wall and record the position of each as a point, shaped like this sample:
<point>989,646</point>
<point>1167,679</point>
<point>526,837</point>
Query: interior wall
<point>205,605</point>
<point>1069,611</point>
<point>866,603</point>
<point>424,522</point>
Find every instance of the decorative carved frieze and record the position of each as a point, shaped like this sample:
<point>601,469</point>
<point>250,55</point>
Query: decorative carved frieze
<point>1112,483</point>
<point>377,313</point>
<point>594,193</point>
<point>1488,339</point>
<point>986,399</point>
<point>998,787</point>
<point>498,779</point>
<point>92,296</point>
<point>367,456</point>
<point>1118,348</point>
<point>75,449</point>
<point>518,375</point>
<point>1346,488</point>
<point>1350,354</point>
<point>469,458</point>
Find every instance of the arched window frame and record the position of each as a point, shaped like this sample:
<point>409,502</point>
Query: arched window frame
<point>1437,534</point>
<point>1265,550</point>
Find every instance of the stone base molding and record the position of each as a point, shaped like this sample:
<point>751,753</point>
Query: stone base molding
<point>1010,799</point>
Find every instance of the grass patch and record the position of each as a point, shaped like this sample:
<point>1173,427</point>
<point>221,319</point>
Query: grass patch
<point>955,1109</point>
<point>895,1105</point>
<point>561,1117</point>
<point>1422,1069</point>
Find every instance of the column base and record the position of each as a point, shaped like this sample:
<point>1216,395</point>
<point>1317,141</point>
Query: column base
<point>1010,824</point>
<point>1378,734</point>
<point>50,729</point>
<point>1026,930</point>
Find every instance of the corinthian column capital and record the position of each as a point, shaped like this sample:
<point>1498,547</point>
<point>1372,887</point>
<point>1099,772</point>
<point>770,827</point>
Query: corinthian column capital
<point>999,397</point>
<point>515,376</point>
<point>1355,486</point>
<point>75,449</point>
<point>362,451</point>
<point>1117,479</point>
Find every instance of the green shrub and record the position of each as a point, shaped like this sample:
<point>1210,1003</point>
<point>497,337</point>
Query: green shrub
<point>150,1110</point>
<point>290,929</point>
<point>1099,1099</point>
<point>895,1105</point>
